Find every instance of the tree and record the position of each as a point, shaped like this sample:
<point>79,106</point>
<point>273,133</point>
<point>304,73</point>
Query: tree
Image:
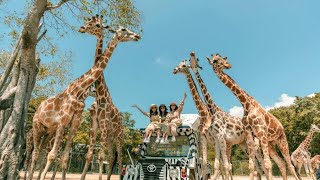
<point>132,137</point>
<point>20,85</point>
<point>297,119</point>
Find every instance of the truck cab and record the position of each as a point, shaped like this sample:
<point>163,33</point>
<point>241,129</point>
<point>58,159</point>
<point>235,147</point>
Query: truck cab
<point>174,160</point>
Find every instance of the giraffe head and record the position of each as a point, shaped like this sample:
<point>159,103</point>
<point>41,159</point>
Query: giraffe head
<point>219,63</point>
<point>182,67</point>
<point>124,34</point>
<point>194,62</point>
<point>93,26</point>
<point>314,128</point>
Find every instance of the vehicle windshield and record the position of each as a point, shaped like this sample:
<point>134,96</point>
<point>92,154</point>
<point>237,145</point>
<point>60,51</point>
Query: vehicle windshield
<point>178,148</point>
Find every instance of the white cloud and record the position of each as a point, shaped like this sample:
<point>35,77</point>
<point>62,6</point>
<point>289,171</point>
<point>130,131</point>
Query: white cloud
<point>311,95</point>
<point>236,111</point>
<point>284,101</point>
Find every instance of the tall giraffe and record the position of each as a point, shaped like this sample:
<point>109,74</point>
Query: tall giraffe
<point>301,156</point>
<point>203,112</point>
<point>228,130</point>
<point>108,120</point>
<point>256,120</point>
<point>105,116</point>
<point>57,112</point>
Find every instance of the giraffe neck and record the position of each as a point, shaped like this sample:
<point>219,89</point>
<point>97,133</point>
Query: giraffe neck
<point>99,47</point>
<point>244,98</point>
<point>212,107</point>
<point>103,95</point>
<point>86,80</point>
<point>305,145</point>
<point>195,95</point>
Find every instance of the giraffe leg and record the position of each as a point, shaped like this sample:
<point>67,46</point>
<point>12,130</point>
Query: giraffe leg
<point>53,153</point>
<point>119,150</point>
<point>306,168</point>
<point>38,133</point>
<point>258,160</point>
<point>266,156</point>
<point>45,145</point>
<point>93,130</point>
<point>310,168</point>
<point>251,150</point>
<point>204,155</point>
<point>280,163</point>
<point>75,123</point>
<point>283,146</point>
<point>111,159</point>
<point>224,156</point>
<point>216,160</point>
<point>228,152</point>
<point>102,154</point>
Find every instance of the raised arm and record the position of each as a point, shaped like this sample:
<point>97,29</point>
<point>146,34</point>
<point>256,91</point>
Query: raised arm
<point>144,113</point>
<point>180,107</point>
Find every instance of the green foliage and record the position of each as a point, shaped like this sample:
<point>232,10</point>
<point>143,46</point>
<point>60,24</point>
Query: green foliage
<point>82,136</point>
<point>297,119</point>
<point>132,137</point>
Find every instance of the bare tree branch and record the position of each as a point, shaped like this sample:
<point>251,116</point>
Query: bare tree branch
<point>11,61</point>
<point>41,36</point>
<point>57,5</point>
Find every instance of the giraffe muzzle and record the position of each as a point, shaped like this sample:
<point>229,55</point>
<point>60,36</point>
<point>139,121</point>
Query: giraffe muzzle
<point>82,29</point>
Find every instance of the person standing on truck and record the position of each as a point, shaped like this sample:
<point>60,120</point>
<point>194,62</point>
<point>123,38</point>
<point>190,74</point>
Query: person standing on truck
<point>163,112</point>
<point>154,122</point>
<point>174,117</point>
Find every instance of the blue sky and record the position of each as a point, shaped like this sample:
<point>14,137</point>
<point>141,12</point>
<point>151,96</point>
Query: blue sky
<point>273,47</point>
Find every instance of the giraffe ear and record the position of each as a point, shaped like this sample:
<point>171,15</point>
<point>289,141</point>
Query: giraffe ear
<point>208,59</point>
<point>225,58</point>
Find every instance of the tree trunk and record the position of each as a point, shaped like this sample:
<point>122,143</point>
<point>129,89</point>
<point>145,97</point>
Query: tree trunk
<point>11,136</point>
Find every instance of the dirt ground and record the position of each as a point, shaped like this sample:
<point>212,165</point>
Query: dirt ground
<point>116,177</point>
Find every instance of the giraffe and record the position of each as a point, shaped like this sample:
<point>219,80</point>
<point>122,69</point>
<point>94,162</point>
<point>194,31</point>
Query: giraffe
<point>256,120</point>
<point>105,116</point>
<point>48,146</point>
<point>228,130</point>
<point>315,163</point>
<point>57,112</point>
<point>203,112</point>
<point>301,156</point>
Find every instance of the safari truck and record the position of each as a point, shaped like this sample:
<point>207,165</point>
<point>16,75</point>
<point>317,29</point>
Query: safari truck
<point>174,160</point>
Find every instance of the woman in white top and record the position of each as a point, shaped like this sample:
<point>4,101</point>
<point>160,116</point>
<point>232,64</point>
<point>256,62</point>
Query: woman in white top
<point>174,117</point>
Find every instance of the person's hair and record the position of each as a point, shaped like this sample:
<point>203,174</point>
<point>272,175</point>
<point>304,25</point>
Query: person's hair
<point>165,112</point>
<point>173,103</point>
<point>153,113</point>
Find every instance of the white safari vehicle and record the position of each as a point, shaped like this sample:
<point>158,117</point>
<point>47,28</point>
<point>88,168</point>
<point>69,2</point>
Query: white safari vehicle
<point>172,161</point>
